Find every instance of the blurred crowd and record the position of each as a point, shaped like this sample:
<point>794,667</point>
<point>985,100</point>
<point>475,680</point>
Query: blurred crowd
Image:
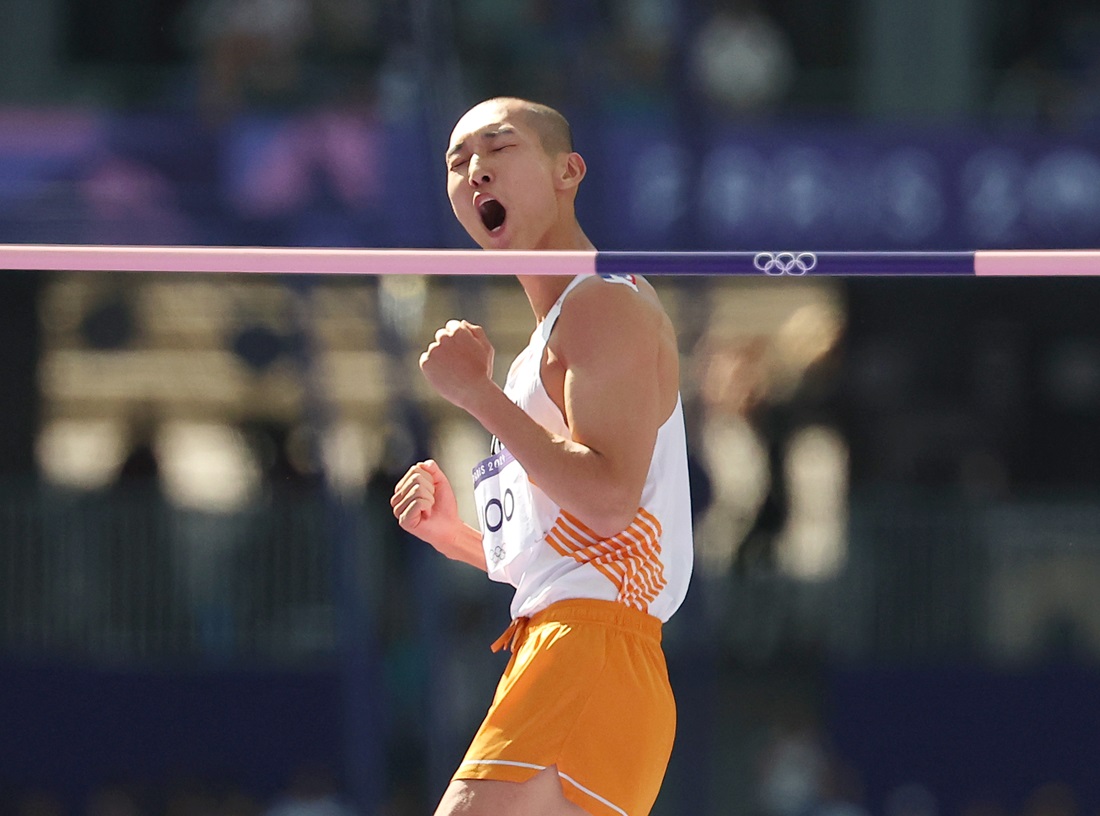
<point>796,775</point>
<point>735,58</point>
<point>1039,63</point>
<point>311,790</point>
<point>1048,65</point>
<point>799,775</point>
<point>731,56</point>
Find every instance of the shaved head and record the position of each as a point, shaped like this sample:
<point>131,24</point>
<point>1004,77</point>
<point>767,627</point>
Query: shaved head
<point>553,129</point>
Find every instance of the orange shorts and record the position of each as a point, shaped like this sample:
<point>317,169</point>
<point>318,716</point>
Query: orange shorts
<point>586,690</point>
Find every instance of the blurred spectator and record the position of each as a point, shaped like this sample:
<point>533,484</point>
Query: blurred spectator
<point>1029,92</point>
<point>313,180</point>
<point>312,792</point>
<point>573,53</point>
<point>127,200</point>
<point>235,801</point>
<point>1054,799</point>
<point>39,803</point>
<point>1083,41</point>
<point>350,41</point>
<point>137,542</point>
<point>285,524</point>
<point>983,806</point>
<point>191,795</point>
<point>792,771</point>
<point>641,55</point>
<point>250,52</point>
<point>911,799</point>
<point>550,50</point>
<point>114,799</point>
<point>496,45</point>
<point>289,460</point>
<point>742,62</point>
<point>1053,78</point>
<point>736,387</point>
<point>775,386</point>
<point>140,470</point>
<point>841,791</point>
<point>390,545</point>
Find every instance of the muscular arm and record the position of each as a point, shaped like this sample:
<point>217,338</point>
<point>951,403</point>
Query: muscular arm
<point>608,342</point>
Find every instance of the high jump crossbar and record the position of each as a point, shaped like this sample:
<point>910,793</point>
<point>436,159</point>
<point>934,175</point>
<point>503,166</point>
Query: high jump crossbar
<point>783,263</point>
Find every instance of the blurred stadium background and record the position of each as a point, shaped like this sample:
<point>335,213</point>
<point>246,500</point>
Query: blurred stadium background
<point>205,609</point>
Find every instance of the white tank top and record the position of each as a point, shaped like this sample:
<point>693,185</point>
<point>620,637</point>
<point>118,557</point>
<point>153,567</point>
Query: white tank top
<point>545,552</point>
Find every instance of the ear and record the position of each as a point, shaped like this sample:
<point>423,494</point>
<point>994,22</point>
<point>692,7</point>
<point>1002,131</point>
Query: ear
<point>571,171</point>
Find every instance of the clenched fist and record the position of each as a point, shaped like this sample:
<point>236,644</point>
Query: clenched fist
<point>424,504</point>
<point>459,362</point>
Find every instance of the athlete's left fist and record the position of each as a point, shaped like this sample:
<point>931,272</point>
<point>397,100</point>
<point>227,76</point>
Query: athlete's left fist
<point>459,362</point>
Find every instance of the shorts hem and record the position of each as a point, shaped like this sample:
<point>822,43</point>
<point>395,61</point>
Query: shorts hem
<point>582,797</point>
<point>501,770</point>
<point>498,769</point>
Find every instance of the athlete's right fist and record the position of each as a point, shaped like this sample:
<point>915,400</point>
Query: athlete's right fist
<point>459,363</point>
<point>424,504</point>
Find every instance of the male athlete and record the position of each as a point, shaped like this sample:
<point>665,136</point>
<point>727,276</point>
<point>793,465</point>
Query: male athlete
<point>584,504</point>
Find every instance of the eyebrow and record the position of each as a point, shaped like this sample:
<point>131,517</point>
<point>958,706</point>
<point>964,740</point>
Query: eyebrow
<point>499,130</point>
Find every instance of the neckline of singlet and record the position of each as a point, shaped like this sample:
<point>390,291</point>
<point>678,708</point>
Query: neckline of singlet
<point>543,329</point>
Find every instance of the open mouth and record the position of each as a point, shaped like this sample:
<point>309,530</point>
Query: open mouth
<point>492,214</point>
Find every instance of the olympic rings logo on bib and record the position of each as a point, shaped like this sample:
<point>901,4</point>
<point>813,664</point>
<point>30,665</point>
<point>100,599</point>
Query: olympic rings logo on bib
<point>784,263</point>
<point>497,511</point>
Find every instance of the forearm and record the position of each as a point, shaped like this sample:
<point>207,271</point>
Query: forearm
<point>576,477</point>
<point>467,548</point>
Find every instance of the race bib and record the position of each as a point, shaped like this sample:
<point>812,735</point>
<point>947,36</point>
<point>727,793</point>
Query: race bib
<point>506,514</point>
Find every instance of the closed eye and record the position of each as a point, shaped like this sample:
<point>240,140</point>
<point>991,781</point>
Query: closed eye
<point>459,164</point>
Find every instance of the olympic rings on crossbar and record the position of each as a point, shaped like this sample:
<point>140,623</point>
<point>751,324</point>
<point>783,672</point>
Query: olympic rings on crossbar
<point>784,263</point>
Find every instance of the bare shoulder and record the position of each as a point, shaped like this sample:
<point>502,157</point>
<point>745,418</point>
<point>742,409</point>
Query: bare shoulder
<point>617,330</point>
<point>599,309</point>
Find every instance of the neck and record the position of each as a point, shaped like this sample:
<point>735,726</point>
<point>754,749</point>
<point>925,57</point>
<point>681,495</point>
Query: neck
<point>543,291</point>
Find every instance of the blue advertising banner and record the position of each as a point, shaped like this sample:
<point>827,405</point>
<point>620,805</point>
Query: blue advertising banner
<point>331,178</point>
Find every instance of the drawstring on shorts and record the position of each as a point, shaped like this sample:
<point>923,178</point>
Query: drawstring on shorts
<point>512,636</point>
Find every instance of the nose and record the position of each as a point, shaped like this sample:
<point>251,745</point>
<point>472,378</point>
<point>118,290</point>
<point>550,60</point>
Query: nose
<point>479,173</point>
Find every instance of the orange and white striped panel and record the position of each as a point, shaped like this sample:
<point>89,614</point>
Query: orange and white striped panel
<point>631,560</point>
